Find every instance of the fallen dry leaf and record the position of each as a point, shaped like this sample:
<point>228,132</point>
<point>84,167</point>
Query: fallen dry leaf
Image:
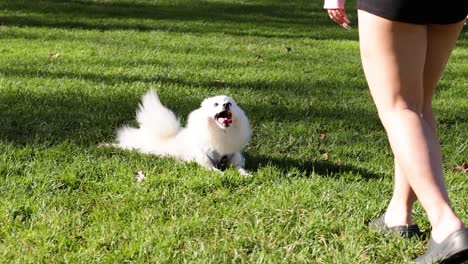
<point>325,156</point>
<point>463,167</point>
<point>323,136</point>
<point>55,55</point>
<point>139,176</point>
<point>364,256</point>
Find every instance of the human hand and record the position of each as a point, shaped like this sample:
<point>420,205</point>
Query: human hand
<point>340,17</point>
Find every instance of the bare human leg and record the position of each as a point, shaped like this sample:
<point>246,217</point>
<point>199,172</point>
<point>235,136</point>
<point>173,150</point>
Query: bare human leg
<point>399,210</point>
<point>396,58</point>
<point>440,43</point>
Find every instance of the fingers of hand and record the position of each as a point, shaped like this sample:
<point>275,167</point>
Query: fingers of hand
<point>340,17</point>
<point>334,15</point>
<point>345,26</point>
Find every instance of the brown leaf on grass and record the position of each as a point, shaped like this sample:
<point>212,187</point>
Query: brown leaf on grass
<point>462,168</point>
<point>287,49</point>
<point>323,136</point>
<point>139,176</point>
<point>365,257</point>
<point>325,156</point>
<point>55,55</point>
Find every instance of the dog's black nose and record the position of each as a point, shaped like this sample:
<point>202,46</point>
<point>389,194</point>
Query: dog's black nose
<point>227,106</point>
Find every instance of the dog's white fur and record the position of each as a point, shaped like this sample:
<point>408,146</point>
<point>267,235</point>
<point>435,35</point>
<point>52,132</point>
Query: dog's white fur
<point>160,132</point>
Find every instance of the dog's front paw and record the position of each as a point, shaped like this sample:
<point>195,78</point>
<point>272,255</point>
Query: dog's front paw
<point>216,170</point>
<point>243,172</point>
<point>212,168</point>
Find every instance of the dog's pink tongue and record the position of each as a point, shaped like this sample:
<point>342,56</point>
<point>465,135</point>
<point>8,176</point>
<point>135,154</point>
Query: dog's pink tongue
<point>226,121</point>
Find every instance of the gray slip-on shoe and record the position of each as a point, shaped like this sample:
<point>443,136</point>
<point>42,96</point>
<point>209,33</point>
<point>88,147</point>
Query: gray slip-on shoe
<point>454,249</point>
<point>407,231</point>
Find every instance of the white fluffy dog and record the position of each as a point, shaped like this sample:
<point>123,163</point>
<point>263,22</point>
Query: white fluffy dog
<point>214,135</point>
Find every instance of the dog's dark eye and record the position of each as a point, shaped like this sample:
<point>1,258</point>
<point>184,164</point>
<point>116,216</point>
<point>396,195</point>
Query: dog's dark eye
<point>215,104</point>
<point>229,104</point>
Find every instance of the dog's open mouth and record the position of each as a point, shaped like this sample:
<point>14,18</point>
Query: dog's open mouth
<point>224,118</point>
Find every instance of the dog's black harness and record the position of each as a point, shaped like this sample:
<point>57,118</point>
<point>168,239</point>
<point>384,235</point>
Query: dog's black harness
<point>220,162</point>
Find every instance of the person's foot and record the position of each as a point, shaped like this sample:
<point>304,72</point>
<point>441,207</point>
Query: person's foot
<point>453,249</point>
<point>407,231</point>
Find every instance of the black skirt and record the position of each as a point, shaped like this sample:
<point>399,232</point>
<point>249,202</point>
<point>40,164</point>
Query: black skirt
<point>417,11</point>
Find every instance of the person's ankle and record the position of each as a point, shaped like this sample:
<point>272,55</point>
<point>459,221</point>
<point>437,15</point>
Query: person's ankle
<point>445,227</point>
<point>398,216</point>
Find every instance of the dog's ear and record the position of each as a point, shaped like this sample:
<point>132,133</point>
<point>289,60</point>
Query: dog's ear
<point>233,101</point>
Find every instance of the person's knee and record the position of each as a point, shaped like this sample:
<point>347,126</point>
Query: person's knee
<point>397,106</point>
<point>393,116</point>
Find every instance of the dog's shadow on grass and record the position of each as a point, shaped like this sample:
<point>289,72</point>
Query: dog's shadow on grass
<point>321,168</point>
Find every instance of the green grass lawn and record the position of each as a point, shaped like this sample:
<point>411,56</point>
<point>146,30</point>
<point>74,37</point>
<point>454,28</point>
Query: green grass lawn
<point>71,72</point>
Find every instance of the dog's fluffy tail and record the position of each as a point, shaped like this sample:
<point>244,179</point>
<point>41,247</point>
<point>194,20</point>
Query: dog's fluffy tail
<point>158,126</point>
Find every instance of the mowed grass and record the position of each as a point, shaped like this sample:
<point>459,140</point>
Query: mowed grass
<point>71,72</point>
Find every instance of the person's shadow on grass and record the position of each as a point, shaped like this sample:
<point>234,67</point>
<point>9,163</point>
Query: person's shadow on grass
<point>320,168</point>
